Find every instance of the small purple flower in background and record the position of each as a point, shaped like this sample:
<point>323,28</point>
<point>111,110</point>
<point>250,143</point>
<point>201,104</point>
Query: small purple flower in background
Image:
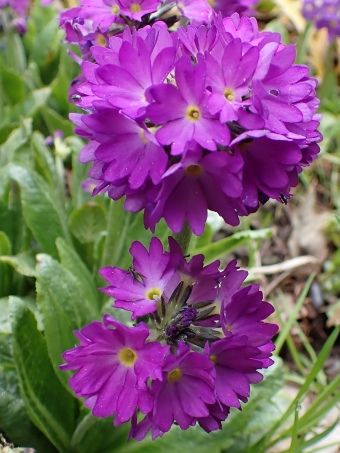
<point>20,7</point>
<point>203,346</point>
<point>325,13</point>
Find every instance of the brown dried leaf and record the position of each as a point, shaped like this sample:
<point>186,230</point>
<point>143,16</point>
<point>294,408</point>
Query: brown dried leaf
<point>308,228</point>
<point>333,314</point>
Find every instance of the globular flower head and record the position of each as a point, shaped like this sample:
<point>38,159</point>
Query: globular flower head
<point>204,344</point>
<point>213,117</point>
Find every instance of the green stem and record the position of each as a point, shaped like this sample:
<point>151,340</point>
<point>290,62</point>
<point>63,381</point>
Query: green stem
<point>183,237</point>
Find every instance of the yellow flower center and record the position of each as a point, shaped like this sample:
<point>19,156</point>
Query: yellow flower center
<point>101,40</point>
<point>153,293</point>
<point>213,358</point>
<point>127,357</point>
<point>212,3</point>
<point>229,94</point>
<point>135,8</point>
<point>193,170</point>
<point>115,9</point>
<point>142,136</point>
<point>228,327</point>
<point>193,113</point>
<point>174,375</point>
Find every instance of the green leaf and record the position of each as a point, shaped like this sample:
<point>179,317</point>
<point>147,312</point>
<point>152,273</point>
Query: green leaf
<point>293,315</point>
<point>79,173</point>
<point>14,421</point>
<point>5,244</point>
<point>219,249</point>
<point>18,138</point>
<point>72,262</point>
<point>43,157</point>
<point>48,405</point>
<point>5,271</point>
<point>41,211</point>
<point>31,104</point>
<point>23,263</point>
<point>87,222</point>
<point>64,305</point>
<point>42,46</point>
<point>95,434</point>
<point>194,439</point>
<point>14,87</point>
<point>55,122</point>
<point>15,53</point>
<point>5,335</point>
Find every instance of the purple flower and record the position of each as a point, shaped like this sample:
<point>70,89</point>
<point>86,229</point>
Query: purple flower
<point>182,395</point>
<point>324,13</point>
<point>183,111</point>
<point>102,13</point>
<point>198,11</point>
<point>270,168</point>
<point>155,269</point>
<point>135,9</point>
<point>113,363</point>
<point>243,312</point>
<point>208,182</point>
<point>229,79</point>
<point>127,149</point>
<point>235,363</point>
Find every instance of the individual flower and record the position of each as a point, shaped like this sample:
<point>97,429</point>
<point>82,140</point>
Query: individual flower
<point>324,13</point>
<point>182,395</point>
<point>155,270</point>
<point>210,181</point>
<point>236,366</point>
<point>137,154</point>
<point>101,13</point>
<point>136,9</point>
<point>198,11</point>
<point>183,111</point>
<point>113,363</point>
<point>243,312</point>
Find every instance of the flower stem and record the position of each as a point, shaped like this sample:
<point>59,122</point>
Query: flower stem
<point>183,237</point>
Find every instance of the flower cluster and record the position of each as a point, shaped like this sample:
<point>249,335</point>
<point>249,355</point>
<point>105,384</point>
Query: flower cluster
<point>325,13</point>
<point>197,345</point>
<point>210,117</point>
